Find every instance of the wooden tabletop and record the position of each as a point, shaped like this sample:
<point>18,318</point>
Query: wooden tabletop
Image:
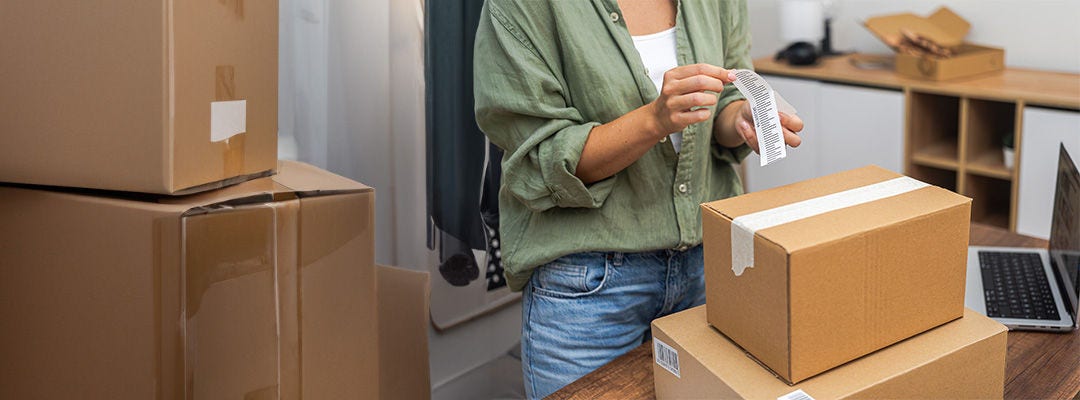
<point>1033,87</point>
<point>1038,365</point>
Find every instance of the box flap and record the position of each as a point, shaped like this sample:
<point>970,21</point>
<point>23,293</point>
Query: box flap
<point>403,333</point>
<point>308,180</point>
<point>950,23</point>
<point>943,27</point>
<point>725,360</point>
<point>294,179</point>
<point>791,236</point>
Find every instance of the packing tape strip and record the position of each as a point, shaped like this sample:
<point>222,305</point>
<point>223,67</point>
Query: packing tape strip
<point>237,6</point>
<point>233,127</point>
<point>745,227</point>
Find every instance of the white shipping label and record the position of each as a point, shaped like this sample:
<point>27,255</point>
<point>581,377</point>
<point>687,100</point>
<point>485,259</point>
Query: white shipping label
<point>796,395</point>
<point>666,356</point>
<point>227,119</point>
<point>770,134</point>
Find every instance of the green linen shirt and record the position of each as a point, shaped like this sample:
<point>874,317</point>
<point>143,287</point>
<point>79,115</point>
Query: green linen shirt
<point>545,73</point>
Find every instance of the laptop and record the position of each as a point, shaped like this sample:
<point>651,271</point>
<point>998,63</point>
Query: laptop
<point>1031,288</point>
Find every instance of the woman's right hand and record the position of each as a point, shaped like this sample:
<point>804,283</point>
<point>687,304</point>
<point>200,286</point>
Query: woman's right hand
<point>683,98</point>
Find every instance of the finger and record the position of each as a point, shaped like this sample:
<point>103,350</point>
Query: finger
<point>748,133</point>
<point>791,138</point>
<point>792,122</point>
<point>687,71</point>
<point>688,101</point>
<point>695,83</point>
<point>692,117</point>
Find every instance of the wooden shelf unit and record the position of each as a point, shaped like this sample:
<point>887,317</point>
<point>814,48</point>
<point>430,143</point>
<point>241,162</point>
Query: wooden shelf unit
<point>954,131</point>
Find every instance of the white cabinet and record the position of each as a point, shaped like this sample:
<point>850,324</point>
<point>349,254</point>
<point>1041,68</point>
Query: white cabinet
<point>860,126</point>
<point>846,127</point>
<point>1043,130</point>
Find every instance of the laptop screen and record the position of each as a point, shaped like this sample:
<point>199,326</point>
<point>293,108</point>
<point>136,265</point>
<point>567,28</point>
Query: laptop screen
<point>1065,229</point>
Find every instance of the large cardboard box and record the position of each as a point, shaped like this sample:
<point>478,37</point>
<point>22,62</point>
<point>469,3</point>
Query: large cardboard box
<point>964,359</point>
<point>263,290</point>
<point>945,28</point>
<point>814,274</point>
<point>138,95</point>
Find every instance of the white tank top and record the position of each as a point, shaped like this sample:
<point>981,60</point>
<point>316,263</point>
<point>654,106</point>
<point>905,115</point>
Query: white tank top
<point>658,54</point>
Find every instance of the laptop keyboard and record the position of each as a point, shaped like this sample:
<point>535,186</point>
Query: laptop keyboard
<point>1015,286</point>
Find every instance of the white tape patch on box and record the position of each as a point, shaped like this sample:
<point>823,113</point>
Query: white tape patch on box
<point>227,119</point>
<point>743,228</point>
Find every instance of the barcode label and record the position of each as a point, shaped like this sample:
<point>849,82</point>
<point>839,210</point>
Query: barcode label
<point>796,395</point>
<point>666,356</point>
<point>770,134</point>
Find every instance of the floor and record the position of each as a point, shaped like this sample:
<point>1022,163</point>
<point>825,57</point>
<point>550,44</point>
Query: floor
<point>498,379</point>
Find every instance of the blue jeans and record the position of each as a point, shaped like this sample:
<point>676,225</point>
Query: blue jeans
<point>583,310</point>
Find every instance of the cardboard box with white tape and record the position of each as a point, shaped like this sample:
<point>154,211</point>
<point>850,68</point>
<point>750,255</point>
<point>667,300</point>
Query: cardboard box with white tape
<point>152,96</point>
<point>963,359</point>
<point>811,275</point>
<point>266,289</point>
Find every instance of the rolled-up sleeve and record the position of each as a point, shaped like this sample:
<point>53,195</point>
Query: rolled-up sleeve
<point>523,108</point>
<point>736,34</point>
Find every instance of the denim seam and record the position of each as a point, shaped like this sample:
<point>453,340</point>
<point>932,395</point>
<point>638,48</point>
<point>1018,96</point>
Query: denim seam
<point>528,337</point>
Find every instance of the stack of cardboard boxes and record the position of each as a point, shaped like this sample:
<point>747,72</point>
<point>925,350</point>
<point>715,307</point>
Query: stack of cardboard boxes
<point>152,245</point>
<point>845,286</point>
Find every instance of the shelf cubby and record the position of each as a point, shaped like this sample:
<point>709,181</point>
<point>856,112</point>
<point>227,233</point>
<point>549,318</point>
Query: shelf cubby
<point>934,126</point>
<point>988,124</point>
<point>935,176</point>
<point>992,198</point>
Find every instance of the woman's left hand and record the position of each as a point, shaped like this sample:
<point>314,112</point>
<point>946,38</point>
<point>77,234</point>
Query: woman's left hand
<point>744,125</point>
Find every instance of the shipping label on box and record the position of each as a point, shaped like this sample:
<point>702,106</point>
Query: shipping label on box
<point>811,275</point>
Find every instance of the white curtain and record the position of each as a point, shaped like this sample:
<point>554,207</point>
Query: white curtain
<point>351,93</point>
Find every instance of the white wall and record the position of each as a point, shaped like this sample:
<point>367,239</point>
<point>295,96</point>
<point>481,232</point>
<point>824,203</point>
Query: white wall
<point>1037,34</point>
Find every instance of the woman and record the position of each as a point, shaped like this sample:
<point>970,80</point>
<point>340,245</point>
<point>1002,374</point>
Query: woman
<point>616,124</point>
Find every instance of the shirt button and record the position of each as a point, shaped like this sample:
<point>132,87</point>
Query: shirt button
<point>683,188</point>
<point>663,139</point>
<point>646,72</point>
<point>614,17</point>
<point>682,248</point>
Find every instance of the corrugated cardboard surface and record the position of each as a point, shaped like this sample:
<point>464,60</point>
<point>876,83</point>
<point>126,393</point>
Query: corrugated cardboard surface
<point>116,94</point>
<point>403,333</point>
<point>962,359</point>
<point>243,293</point>
<point>333,230</point>
<point>970,60</point>
<point>830,288</point>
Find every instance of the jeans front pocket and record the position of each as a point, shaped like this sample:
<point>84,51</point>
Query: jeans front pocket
<point>570,276</point>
